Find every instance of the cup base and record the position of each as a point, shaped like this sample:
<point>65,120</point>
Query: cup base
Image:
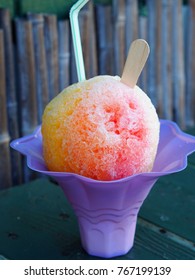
<point>107,239</point>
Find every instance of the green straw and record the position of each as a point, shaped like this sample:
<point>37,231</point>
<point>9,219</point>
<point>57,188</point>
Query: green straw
<point>74,11</point>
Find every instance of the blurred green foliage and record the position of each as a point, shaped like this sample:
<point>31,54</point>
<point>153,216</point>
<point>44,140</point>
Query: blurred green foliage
<point>58,7</point>
<point>9,4</point>
<point>104,2</point>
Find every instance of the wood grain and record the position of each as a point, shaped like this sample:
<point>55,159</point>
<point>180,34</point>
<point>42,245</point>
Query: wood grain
<point>51,50</point>
<point>173,198</point>
<point>105,40</point>
<point>11,99</point>
<point>38,223</point>
<point>143,33</point>
<point>178,64</point>
<point>166,59</point>
<point>5,166</point>
<point>26,76</point>
<point>119,23</point>
<point>151,39</point>
<point>136,59</point>
<point>27,84</point>
<point>40,62</point>
<point>64,53</point>
<point>88,39</point>
<point>190,63</point>
<point>131,23</point>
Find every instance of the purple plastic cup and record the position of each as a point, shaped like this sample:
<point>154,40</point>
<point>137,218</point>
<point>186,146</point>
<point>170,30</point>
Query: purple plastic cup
<point>107,210</point>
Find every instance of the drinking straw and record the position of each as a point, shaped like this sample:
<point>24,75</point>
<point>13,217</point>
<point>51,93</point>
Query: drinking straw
<point>74,11</point>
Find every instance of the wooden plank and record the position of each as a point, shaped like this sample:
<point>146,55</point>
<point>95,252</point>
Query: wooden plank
<point>170,204</point>
<point>187,52</point>
<point>119,22</point>
<point>170,61</point>
<point>5,24</point>
<point>64,53</point>
<point>151,39</point>
<point>85,37</point>
<point>26,75</point>
<point>88,39</point>
<point>3,111</point>
<point>190,64</point>
<point>143,33</point>
<point>11,101</point>
<point>40,62</point>
<point>27,84</point>
<point>93,65</point>
<point>51,49</point>
<point>105,40</point>
<point>131,23</point>
<point>191,158</point>
<point>20,243</point>
<point>159,80</point>
<point>178,63</point>
<point>5,166</point>
<point>38,213</point>
<point>161,243</point>
<point>73,70</point>
<point>165,52</point>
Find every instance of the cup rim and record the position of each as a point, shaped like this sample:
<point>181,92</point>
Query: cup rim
<point>176,132</point>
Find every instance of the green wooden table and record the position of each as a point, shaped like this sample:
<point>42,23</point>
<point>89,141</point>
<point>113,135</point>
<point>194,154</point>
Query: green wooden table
<point>37,222</point>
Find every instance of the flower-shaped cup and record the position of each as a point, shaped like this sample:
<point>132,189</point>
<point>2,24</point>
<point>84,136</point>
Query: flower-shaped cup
<point>107,210</point>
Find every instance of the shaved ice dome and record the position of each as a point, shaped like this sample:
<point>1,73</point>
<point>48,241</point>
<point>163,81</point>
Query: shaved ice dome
<point>100,128</point>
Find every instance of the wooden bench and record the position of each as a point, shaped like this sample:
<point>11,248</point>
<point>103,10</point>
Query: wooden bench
<point>37,222</point>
